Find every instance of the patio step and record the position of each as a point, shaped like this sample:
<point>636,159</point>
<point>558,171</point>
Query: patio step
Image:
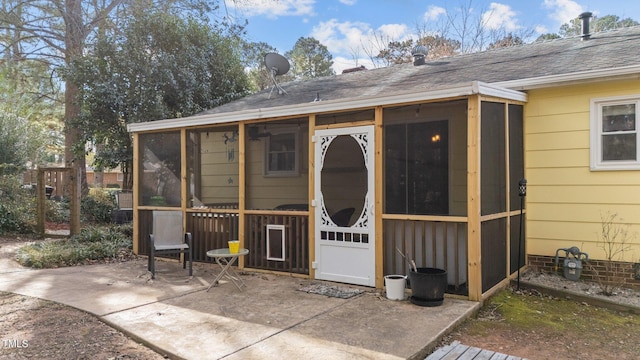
<point>459,351</point>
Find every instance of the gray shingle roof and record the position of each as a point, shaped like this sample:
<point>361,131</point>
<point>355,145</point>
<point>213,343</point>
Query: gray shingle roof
<point>612,49</point>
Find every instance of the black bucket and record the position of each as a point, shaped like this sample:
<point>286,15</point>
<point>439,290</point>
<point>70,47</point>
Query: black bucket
<point>428,286</point>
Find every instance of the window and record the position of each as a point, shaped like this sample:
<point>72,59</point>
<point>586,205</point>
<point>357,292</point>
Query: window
<point>282,154</point>
<point>614,133</point>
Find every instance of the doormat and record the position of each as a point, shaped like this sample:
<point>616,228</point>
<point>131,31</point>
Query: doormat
<point>341,292</point>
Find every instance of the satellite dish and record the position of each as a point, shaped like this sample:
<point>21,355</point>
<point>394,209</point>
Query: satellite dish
<point>277,65</point>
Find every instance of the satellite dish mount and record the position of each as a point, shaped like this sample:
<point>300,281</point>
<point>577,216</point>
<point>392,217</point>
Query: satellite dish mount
<point>277,65</point>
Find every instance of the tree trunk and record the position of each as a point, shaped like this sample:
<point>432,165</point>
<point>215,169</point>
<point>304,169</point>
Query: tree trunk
<point>74,40</point>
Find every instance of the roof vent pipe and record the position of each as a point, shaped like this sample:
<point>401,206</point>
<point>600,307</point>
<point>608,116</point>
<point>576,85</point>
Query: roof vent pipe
<point>585,17</point>
<point>419,53</point>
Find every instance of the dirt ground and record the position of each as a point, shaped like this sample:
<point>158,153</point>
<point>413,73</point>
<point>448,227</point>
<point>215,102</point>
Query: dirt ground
<point>551,328</point>
<point>31,328</point>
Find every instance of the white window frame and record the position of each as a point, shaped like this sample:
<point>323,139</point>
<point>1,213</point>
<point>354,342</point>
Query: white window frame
<point>286,173</point>
<point>597,164</point>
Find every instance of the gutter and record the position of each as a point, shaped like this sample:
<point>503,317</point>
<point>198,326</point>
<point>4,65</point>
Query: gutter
<point>548,81</point>
<point>471,88</point>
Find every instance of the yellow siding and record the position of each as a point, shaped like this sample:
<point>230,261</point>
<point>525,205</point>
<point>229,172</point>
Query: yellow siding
<point>265,192</point>
<point>219,169</point>
<point>565,198</point>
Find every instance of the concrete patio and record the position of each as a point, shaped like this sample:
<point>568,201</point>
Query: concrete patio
<point>270,319</point>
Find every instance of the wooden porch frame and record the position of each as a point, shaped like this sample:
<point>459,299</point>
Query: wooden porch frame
<point>473,219</point>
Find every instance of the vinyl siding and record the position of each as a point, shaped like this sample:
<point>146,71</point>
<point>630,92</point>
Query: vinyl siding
<point>565,199</point>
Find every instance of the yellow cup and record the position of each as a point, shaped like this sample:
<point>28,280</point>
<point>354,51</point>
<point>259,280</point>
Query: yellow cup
<point>234,246</point>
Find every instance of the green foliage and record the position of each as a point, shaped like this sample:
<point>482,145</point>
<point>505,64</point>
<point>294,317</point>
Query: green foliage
<point>97,206</point>
<point>93,243</point>
<point>158,66</point>
<point>253,59</point>
<point>310,59</point>
<point>57,211</point>
<point>604,23</point>
<point>30,117</point>
<point>20,140</point>
<point>17,207</point>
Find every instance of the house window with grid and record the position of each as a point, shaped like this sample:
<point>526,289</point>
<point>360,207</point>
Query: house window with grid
<point>282,154</point>
<point>614,134</point>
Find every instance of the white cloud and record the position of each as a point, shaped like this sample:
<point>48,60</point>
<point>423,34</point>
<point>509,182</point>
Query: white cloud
<point>563,11</point>
<point>341,63</point>
<point>274,8</point>
<point>500,16</point>
<point>433,13</point>
<point>356,37</point>
<point>541,29</point>
<point>349,2</point>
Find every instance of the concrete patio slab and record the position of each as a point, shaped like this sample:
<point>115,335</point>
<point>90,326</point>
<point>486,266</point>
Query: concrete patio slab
<point>270,319</point>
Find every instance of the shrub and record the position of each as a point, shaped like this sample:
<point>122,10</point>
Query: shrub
<point>91,244</point>
<point>17,208</point>
<point>58,211</point>
<point>97,206</point>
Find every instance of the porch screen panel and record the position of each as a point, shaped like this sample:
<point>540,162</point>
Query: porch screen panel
<point>493,159</point>
<point>516,153</point>
<point>516,243</point>
<point>417,168</point>
<point>494,252</point>
<point>213,167</point>
<point>516,173</point>
<point>395,169</point>
<point>160,169</point>
<point>276,165</point>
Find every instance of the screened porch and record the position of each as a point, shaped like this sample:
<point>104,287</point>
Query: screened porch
<point>446,179</point>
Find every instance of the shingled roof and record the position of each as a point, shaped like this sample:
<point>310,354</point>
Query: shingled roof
<point>606,50</point>
<point>605,55</point>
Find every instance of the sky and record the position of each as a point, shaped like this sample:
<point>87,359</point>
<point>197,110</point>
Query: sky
<point>351,29</point>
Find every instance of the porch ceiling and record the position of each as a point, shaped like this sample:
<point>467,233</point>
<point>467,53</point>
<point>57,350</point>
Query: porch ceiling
<point>325,106</point>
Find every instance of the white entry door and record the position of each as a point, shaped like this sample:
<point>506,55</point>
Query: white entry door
<point>344,201</point>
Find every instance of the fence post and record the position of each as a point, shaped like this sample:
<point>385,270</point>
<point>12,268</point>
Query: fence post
<point>41,202</point>
<point>76,197</point>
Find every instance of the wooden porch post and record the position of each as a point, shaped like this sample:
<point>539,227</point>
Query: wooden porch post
<point>184,199</point>
<point>312,188</point>
<point>242,189</point>
<point>379,250</point>
<point>136,193</point>
<point>474,240</point>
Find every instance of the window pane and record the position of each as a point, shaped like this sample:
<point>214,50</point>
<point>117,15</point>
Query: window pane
<point>282,152</point>
<point>619,118</point>
<point>619,147</point>
<point>282,142</point>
